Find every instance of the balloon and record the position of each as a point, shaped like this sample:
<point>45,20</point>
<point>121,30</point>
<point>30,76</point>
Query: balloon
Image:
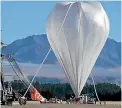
<point>77,32</point>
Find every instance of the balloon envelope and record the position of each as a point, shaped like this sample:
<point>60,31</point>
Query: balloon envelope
<point>77,32</point>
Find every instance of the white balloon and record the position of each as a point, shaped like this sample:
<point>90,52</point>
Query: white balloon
<point>77,32</point>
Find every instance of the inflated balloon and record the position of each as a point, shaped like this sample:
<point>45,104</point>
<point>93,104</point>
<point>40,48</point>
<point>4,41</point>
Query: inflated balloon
<point>77,32</point>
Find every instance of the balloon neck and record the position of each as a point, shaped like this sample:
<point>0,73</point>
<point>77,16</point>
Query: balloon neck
<point>77,96</point>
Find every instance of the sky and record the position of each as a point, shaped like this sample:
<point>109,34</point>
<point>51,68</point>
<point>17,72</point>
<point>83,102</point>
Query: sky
<point>21,19</point>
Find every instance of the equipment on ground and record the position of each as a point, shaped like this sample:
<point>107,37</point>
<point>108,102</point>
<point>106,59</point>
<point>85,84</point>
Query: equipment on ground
<point>7,96</point>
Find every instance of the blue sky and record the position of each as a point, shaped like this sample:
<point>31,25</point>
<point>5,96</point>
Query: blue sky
<point>22,19</point>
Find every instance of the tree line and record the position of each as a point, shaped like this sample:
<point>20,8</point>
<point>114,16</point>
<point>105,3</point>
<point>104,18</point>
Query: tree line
<point>106,91</point>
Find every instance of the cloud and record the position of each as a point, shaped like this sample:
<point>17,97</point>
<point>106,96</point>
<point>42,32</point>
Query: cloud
<point>55,70</point>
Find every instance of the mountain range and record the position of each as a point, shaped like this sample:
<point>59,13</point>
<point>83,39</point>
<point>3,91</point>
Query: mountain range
<point>34,48</point>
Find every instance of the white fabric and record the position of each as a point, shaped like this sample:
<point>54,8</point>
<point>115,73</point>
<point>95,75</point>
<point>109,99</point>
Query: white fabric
<point>77,32</point>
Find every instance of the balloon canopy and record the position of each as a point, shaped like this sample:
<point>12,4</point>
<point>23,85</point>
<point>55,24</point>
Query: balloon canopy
<point>77,32</point>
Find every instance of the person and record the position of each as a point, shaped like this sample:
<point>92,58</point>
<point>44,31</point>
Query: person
<point>95,100</point>
<point>61,101</point>
<point>104,102</point>
<point>55,99</point>
<point>100,102</point>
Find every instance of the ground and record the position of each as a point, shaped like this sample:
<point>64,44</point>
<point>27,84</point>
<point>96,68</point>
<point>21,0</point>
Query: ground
<point>38,105</point>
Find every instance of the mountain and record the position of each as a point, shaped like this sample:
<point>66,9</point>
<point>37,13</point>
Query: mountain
<point>30,50</point>
<point>110,56</point>
<point>34,48</point>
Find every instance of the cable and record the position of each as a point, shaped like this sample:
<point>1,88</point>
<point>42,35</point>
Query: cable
<point>95,88</point>
<point>37,72</point>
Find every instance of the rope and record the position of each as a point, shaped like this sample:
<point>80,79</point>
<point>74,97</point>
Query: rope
<point>37,72</point>
<point>48,51</point>
<point>95,88</point>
